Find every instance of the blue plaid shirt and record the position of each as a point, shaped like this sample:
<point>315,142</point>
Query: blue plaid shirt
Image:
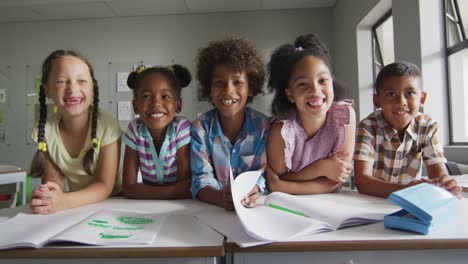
<point>212,154</point>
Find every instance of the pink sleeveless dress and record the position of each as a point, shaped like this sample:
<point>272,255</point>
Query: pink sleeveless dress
<point>300,152</point>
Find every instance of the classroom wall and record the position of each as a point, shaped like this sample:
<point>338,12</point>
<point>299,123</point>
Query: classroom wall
<point>347,28</point>
<point>418,35</point>
<point>116,44</point>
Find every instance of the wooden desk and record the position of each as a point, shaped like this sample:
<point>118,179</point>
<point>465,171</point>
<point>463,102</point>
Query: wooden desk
<point>12,174</point>
<point>366,244</point>
<point>181,237</point>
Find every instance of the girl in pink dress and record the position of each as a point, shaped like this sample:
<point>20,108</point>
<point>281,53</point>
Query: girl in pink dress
<point>311,142</point>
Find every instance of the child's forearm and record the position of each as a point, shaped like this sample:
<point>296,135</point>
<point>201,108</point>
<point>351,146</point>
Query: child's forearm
<point>308,173</point>
<point>369,185</point>
<point>300,176</point>
<point>93,193</point>
<point>316,186</point>
<point>177,190</point>
<point>181,189</point>
<point>211,195</point>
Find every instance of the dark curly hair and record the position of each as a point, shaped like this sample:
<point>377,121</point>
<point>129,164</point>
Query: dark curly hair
<point>178,75</point>
<point>281,65</point>
<point>237,53</point>
<point>38,162</point>
<point>399,68</point>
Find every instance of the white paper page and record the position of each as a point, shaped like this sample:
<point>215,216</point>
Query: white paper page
<point>228,224</point>
<point>333,210</point>
<point>114,227</point>
<point>266,223</point>
<point>29,230</point>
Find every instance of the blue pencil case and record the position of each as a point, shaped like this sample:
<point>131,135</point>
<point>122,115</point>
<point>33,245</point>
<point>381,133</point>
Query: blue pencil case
<point>424,206</point>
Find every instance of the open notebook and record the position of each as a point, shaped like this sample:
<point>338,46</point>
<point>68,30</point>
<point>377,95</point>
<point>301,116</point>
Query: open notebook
<point>107,227</point>
<point>284,217</point>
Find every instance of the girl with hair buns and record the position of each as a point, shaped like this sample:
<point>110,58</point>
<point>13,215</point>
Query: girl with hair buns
<point>311,142</point>
<point>157,142</point>
<point>78,146</point>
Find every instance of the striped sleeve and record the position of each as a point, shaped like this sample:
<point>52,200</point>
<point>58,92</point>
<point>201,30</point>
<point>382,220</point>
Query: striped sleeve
<point>183,133</point>
<point>129,137</point>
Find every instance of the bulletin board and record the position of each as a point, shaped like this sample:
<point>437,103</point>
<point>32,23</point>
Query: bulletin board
<point>5,85</point>
<point>120,96</point>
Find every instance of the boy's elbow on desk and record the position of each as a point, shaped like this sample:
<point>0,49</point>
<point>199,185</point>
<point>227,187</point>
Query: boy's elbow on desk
<point>365,186</point>
<point>361,185</point>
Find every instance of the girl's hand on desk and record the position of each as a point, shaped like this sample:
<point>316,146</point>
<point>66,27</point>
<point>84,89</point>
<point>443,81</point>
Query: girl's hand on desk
<point>39,204</point>
<point>251,198</point>
<point>52,192</point>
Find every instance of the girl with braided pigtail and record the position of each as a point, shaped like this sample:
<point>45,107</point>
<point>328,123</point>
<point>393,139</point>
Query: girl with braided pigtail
<point>79,146</point>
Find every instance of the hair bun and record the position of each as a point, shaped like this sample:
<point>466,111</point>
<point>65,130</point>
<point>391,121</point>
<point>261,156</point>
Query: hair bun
<point>311,41</point>
<point>132,79</point>
<point>182,75</point>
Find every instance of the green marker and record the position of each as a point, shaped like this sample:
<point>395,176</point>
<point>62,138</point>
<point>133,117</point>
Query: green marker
<point>287,210</point>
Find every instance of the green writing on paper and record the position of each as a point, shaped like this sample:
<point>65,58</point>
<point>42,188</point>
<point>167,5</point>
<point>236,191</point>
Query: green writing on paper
<point>287,210</point>
<point>128,228</point>
<point>98,225</point>
<point>100,221</point>
<point>134,220</point>
<point>110,236</point>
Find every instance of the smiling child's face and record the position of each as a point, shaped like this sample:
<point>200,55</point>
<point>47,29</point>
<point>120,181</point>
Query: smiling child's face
<point>310,87</point>
<point>70,86</point>
<point>400,98</point>
<point>229,91</point>
<point>156,102</point>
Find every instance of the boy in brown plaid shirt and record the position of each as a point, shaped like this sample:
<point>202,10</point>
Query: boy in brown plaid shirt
<point>393,141</point>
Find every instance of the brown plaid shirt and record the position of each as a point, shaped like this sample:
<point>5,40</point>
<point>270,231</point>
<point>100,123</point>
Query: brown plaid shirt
<point>395,161</point>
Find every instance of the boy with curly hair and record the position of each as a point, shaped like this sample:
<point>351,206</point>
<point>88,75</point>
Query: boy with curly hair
<point>231,73</point>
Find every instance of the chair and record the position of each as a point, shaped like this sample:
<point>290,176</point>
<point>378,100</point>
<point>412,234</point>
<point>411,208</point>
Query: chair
<point>12,175</point>
<point>10,191</point>
<point>463,168</point>
<point>453,168</point>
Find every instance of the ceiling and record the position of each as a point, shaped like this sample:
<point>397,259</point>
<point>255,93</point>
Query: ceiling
<point>42,10</point>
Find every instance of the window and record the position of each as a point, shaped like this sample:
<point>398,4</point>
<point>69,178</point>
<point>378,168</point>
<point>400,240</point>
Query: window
<point>456,27</point>
<point>382,43</point>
